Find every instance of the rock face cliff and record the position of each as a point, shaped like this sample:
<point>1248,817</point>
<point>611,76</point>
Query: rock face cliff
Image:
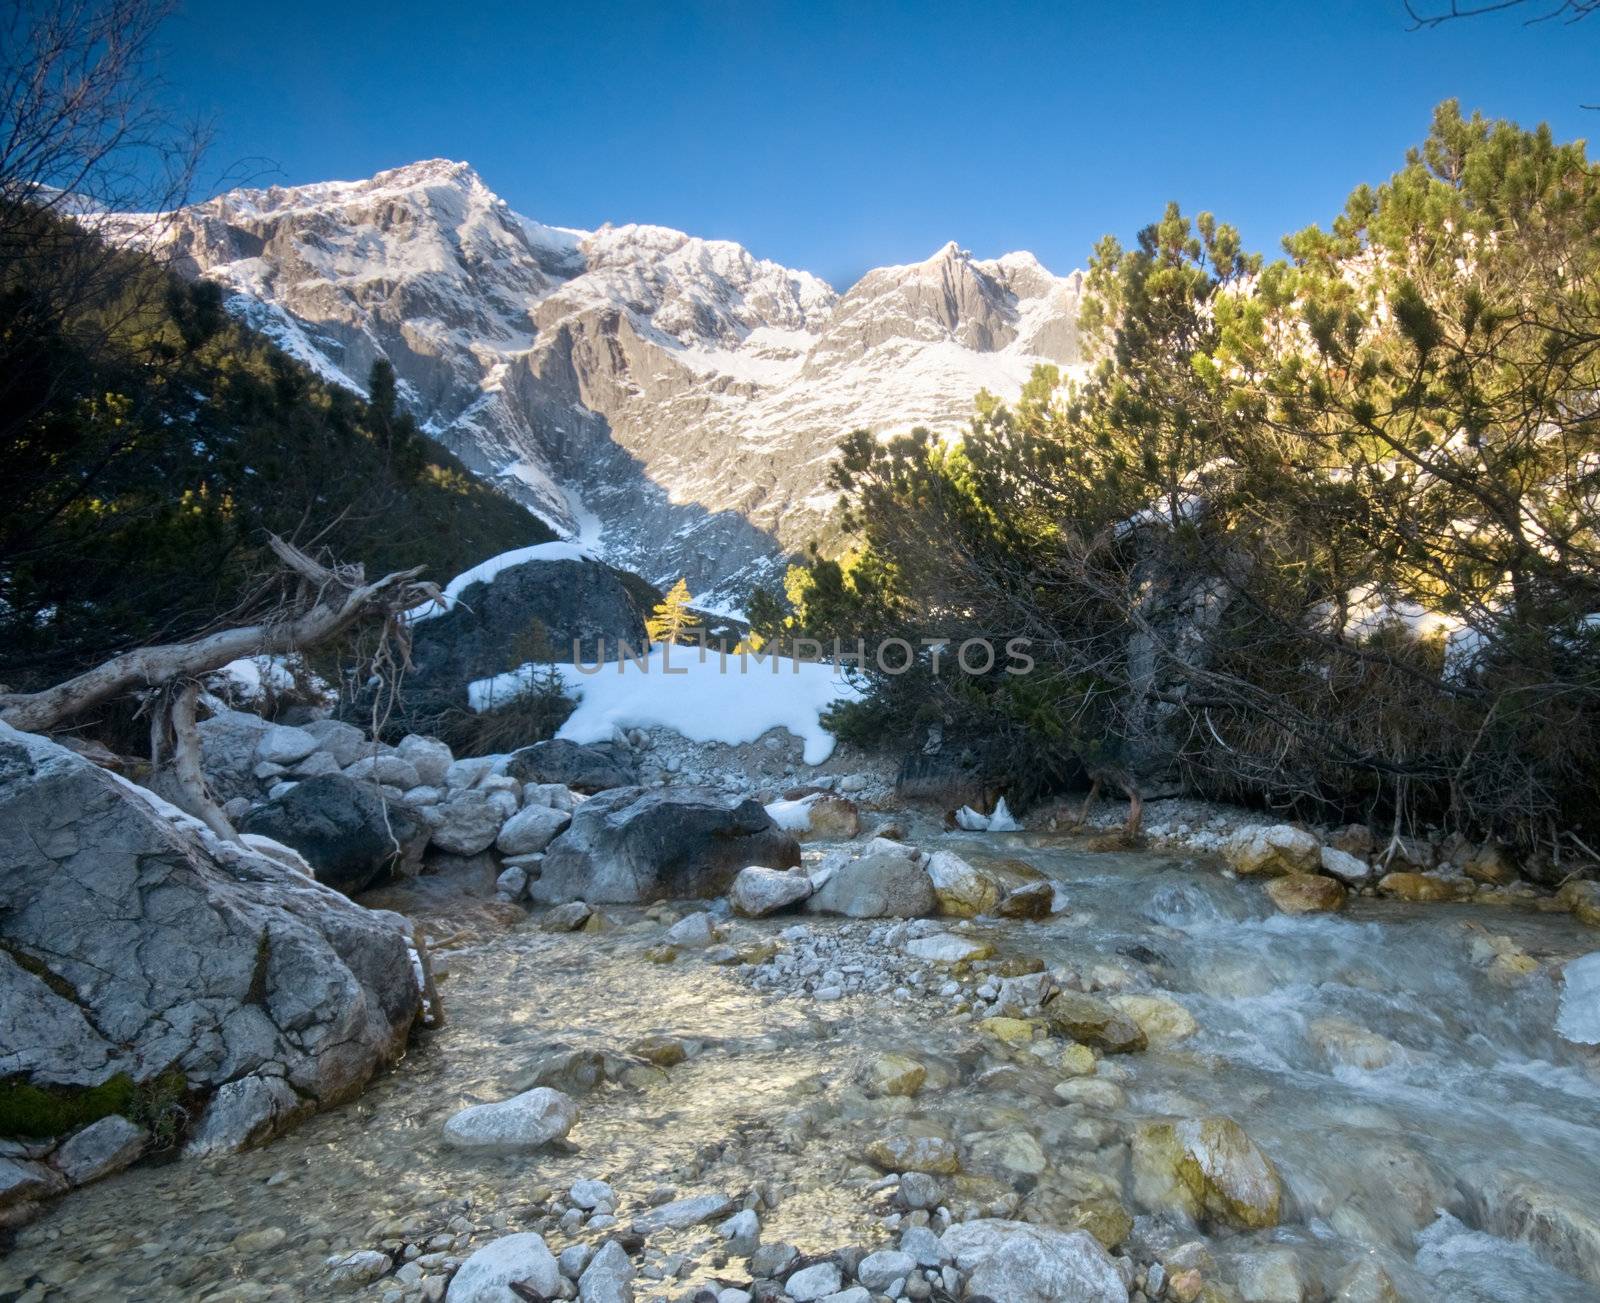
<point>673,401</point>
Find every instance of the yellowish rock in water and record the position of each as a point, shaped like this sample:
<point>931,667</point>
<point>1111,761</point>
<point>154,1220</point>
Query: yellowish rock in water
<point>661,954</point>
<point>663,1051</point>
<point>1092,1092</point>
<point>908,1151</point>
<point>1095,1022</point>
<point>1018,966</point>
<point>1162,1021</point>
<point>1491,863</point>
<point>1306,893</point>
<point>1017,1152</point>
<point>1105,1219</point>
<point>1185,1286</point>
<point>962,891</point>
<point>1013,1031</point>
<point>1582,899</point>
<point>1367,1282</point>
<point>1209,1169</point>
<point>894,1074</point>
<point>1345,1043</point>
<point>1422,888</point>
<point>1077,1060</point>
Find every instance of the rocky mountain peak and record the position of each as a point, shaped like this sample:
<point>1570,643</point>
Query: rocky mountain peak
<point>671,399</point>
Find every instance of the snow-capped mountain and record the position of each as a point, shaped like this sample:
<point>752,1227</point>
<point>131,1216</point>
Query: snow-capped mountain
<point>673,401</point>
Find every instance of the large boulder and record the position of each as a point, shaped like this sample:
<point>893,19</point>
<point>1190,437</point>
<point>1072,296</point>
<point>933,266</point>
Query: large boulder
<point>140,953</point>
<point>888,880</point>
<point>1023,1263</point>
<point>345,830</point>
<point>536,610</point>
<point>631,844</point>
<point>581,768</point>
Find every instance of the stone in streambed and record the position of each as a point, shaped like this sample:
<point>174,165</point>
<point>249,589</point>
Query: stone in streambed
<point>513,1126</point>
<point>1209,1169</point>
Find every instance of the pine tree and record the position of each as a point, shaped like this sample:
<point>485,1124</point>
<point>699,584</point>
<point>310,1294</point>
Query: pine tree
<point>672,616</point>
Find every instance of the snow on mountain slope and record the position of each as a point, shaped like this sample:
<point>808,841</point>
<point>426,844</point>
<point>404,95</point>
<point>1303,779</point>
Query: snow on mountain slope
<point>675,402</point>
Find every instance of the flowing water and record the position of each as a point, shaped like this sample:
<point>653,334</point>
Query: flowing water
<point>1413,1095</point>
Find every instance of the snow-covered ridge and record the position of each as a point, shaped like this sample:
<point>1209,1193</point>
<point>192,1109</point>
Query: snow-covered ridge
<point>674,401</point>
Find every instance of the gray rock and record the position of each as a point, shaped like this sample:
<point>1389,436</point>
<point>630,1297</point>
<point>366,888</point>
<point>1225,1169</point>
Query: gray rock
<point>573,1259</point>
<point>772,1260</point>
<point>566,918</point>
<point>531,830</point>
<point>922,1246</point>
<point>513,1126</point>
<point>608,1277</point>
<point>577,767</point>
<point>22,1181</point>
<point>1023,1263</point>
<point>348,1272</point>
<point>470,772</point>
<point>228,742</point>
<point>487,1275</point>
<point>512,882</point>
<point>591,1194</point>
<point>430,757</point>
<point>693,931</point>
<point>389,770</point>
<point>680,1214</point>
<point>344,742</point>
<point>920,1190</point>
<point>757,892</point>
<point>245,1112</point>
<point>100,1148</point>
<point>574,1071</point>
<point>877,1271</point>
<point>884,882</point>
<point>282,745</point>
<point>315,765</point>
<point>742,1232</point>
<point>133,940</point>
<point>343,828</point>
<point>632,845</point>
<point>467,823</point>
<point>814,1282</point>
<point>558,796</point>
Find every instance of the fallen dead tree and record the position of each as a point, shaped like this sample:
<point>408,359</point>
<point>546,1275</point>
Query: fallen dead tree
<point>316,604</point>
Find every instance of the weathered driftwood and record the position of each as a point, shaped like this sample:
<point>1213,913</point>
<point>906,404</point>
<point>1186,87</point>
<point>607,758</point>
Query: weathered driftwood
<point>326,603</point>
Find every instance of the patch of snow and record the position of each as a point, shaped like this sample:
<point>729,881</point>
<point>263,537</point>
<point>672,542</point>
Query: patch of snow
<point>1000,821</point>
<point>704,696</point>
<point>791,816</point>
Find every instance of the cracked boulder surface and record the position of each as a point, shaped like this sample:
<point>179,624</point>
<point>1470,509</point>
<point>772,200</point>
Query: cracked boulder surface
<point>134,943</point>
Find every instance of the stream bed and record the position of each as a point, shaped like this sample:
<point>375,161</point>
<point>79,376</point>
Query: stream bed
<point>1397,1063</point>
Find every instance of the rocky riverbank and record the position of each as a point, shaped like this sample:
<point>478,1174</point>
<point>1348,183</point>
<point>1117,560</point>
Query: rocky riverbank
<point>892,1061</point>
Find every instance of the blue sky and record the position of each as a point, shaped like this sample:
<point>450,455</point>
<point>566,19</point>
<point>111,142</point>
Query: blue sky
<point>838,137</point>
